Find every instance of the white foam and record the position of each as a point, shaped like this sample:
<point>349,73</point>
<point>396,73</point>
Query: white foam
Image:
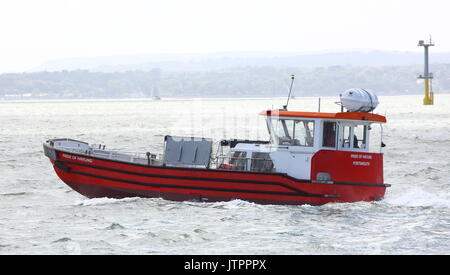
<point>417,197</point>
<point>236,203</point>
<point>103,201</point>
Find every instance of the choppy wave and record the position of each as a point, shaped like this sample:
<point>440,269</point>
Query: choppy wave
<point>232,204</point>
<point>103,201</point>
<point>418,197</point>
<point>14,194</point>
<point>115,226</point>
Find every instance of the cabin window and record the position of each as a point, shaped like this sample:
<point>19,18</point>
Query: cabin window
<point>354,137</point>
<point>359,137</point>
<point>304,132</point>
<point>285,130</point>
<point>294,132</point>
<point>239,160</point>
<point>329,134</point>
<point>261,162</point>
<point>346,141</point>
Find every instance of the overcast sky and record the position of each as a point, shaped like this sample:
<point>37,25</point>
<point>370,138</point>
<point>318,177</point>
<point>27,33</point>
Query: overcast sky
<point>35,31</point>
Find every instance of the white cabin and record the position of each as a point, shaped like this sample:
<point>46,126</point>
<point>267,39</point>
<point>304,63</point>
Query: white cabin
<point>295,137</point>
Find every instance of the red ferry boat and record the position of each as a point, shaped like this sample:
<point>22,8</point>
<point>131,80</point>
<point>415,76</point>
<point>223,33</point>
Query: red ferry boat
<point>311,158</point>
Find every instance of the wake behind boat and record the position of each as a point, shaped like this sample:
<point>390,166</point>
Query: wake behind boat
<point>311,158</point>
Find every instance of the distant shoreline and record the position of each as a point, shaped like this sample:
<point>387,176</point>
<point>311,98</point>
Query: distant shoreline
<point>30,100</point>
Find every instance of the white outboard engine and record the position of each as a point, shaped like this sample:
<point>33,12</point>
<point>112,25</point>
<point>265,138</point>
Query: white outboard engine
<point>359,100</point>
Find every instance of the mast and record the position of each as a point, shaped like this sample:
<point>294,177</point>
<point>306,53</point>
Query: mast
<point>290,90</point>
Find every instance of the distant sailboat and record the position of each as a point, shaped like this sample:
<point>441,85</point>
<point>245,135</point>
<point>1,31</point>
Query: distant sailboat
<point>155,93</point>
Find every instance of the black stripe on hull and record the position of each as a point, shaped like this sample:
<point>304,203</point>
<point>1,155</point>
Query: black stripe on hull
<point>220,179</point>
<point>96,191</point>
<point>298,193</point>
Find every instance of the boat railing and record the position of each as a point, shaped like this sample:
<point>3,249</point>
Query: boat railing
<point>133,157</point>
<point>244,164</point>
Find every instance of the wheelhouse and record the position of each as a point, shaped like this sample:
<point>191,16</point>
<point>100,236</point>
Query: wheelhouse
<point>297,137</point>
<point>311,131</point>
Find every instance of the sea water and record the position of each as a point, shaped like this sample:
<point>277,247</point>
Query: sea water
<point>39,214</point>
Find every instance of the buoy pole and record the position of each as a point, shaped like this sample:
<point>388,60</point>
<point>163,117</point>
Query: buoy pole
<point>427,76</point>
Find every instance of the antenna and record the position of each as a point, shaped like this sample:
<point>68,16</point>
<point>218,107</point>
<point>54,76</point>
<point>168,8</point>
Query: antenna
<point>290,90</point>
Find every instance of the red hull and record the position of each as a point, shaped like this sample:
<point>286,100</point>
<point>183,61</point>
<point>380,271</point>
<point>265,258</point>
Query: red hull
<point>95,177</point>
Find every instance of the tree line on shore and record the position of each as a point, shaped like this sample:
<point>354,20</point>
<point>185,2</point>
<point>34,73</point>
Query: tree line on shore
<point>253,81</point>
